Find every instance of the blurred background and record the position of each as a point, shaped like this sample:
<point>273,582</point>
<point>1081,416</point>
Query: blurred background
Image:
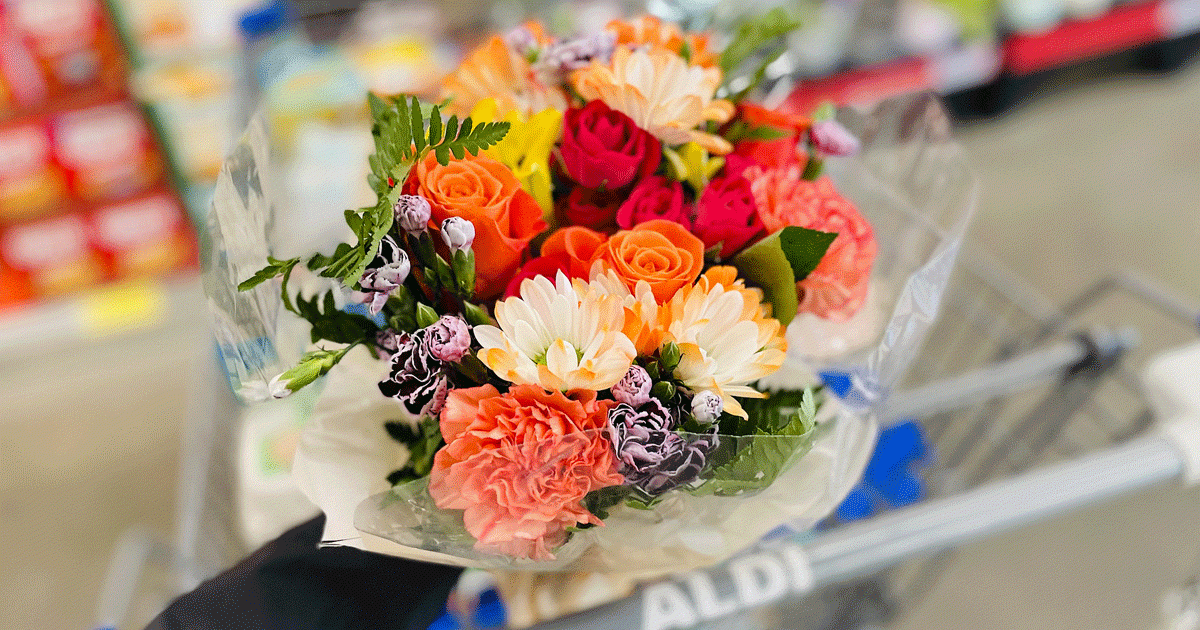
<point>1079,115</point>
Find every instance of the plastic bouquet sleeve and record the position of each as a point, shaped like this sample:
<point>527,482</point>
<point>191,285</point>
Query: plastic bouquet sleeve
<point>577,327</point>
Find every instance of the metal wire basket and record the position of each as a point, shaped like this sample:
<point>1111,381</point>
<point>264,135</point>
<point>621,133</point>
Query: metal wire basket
<point>1027,410</point>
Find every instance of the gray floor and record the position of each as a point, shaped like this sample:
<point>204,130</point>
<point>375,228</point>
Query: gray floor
<point>1096,176</point>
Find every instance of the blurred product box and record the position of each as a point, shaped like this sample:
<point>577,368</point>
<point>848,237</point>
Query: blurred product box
<point>53,255</point>
<point>143,237</point>
<point>54,162</point>
<point>31,181</point>
<point>53,49</point>
<point>146,236</point>
<point>107,150</point>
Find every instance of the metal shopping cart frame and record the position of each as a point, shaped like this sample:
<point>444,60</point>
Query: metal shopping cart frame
<point>1032,469</point>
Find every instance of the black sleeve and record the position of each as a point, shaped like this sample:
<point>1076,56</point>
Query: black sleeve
<point>290,584</point>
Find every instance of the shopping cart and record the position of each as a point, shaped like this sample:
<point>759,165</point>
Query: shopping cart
<point>1027,410</point>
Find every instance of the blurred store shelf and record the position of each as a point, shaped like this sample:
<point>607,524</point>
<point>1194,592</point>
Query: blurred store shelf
<point>103,313</point>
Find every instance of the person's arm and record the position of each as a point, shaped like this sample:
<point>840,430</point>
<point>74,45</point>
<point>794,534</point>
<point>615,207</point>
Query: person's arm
<point>290,584</point>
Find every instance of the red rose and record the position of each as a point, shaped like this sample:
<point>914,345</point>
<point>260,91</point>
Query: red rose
<point>591,209</point>
<point>548,266</point>
<point>727,213</point>
<point>603,147</point>
<point>655,197</point>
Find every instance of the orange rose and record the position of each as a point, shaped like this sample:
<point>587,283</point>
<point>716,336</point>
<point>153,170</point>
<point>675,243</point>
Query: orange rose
<point>576,244</point>
<point>661,252</point>
<point>486,193</point>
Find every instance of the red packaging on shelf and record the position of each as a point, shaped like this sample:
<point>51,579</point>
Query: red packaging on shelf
<point>31,182</point>
<point>53,255</point>
<point>51,49</point>
<point>146,236</point>
<point>106,150</point>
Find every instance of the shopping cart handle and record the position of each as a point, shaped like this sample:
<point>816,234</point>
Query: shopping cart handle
<point>1172,385</point>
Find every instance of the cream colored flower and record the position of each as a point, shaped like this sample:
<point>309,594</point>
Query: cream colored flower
<point>725,335</point>
<point>561,335</point>
<point>661,93</point>
<point>496,71</point>
<point>642,323</point>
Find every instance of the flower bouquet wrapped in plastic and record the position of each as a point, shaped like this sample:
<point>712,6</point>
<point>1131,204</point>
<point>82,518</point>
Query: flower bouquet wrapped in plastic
<point>556,340</point>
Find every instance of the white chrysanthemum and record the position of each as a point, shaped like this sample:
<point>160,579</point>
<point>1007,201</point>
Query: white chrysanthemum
<point>561,335</point>
<point>725,337</point>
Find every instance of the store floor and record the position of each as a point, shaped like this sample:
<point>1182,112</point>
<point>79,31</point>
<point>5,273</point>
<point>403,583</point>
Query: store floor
<point>1100,174</point>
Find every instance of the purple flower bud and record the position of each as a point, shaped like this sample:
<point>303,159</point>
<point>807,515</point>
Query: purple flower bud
<point>417,378</point>
<point>521,40</point>
<point>633,388</point>
<point>707,407</point>
<point>385,273</point>
<point>449,338</point>
<point>831,139</point>
<point>412,213</point>
<point>651,456</point>
<point>458,233</point>
<point>568,55</point>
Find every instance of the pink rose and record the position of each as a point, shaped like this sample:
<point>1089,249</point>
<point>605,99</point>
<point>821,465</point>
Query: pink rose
<point>655,197</point>
<point>603,147</point>
<point>727,213</point>
<point>837,288</point>
<point>519,464</point>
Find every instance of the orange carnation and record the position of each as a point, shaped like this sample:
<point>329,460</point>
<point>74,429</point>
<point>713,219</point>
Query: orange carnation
<point>520,463</point>
<point>486,193</point>
<point>577,245</point>
<point>660,252</point>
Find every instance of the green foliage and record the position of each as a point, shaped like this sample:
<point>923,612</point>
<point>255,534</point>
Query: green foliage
<point>330,324</point>
<point>423,442</point>
<point>779,261</point>
<point>274,268</point>
<point>740,130</point>
<point>312,365</point>
<point>759,459</point>
<point>403,308</point>
<point>762,37</point>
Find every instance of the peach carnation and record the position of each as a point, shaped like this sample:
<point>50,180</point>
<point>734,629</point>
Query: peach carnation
<point>837,288</point>
<point>519,464</point>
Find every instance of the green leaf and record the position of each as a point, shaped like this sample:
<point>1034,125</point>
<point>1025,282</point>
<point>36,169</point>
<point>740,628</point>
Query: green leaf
<point>426,316</point>
<point>378,106</point>
<point>274,268</point>
<point>763,457</point>
<point>418,125</point>
<point>435,127</point>
<point>779,261</point>
<point>754,34</point>
<point>476,315</point>
<point>804,248</point>
<point>740,130</point>
<point>330,324</point>
<point>423,442</point>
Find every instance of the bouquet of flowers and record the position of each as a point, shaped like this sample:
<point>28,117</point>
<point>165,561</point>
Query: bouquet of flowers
<point>549,340</point>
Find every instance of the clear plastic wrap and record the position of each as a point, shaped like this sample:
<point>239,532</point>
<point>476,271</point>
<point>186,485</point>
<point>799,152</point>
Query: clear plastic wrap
<point>910,181</point>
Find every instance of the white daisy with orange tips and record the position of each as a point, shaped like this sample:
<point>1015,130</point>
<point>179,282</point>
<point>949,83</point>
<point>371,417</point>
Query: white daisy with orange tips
<point>662,93</point>
<point>562,335</point>
<point>643,325</point>
<point>726,337</point>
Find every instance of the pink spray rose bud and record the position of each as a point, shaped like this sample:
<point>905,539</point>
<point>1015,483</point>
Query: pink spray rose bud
<point>449,338</point>
<point>831,139</point>
<point>634,388</point>
<point>412,213</point>
<point>458,233</point>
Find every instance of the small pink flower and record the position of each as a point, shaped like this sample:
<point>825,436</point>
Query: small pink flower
<point>831,139</point>
<point>633,388</point>
<point>837,288</point>
<point>449,338</point>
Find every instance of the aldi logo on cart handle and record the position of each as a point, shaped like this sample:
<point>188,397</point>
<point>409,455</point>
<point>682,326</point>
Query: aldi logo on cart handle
<point>748,581</point>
